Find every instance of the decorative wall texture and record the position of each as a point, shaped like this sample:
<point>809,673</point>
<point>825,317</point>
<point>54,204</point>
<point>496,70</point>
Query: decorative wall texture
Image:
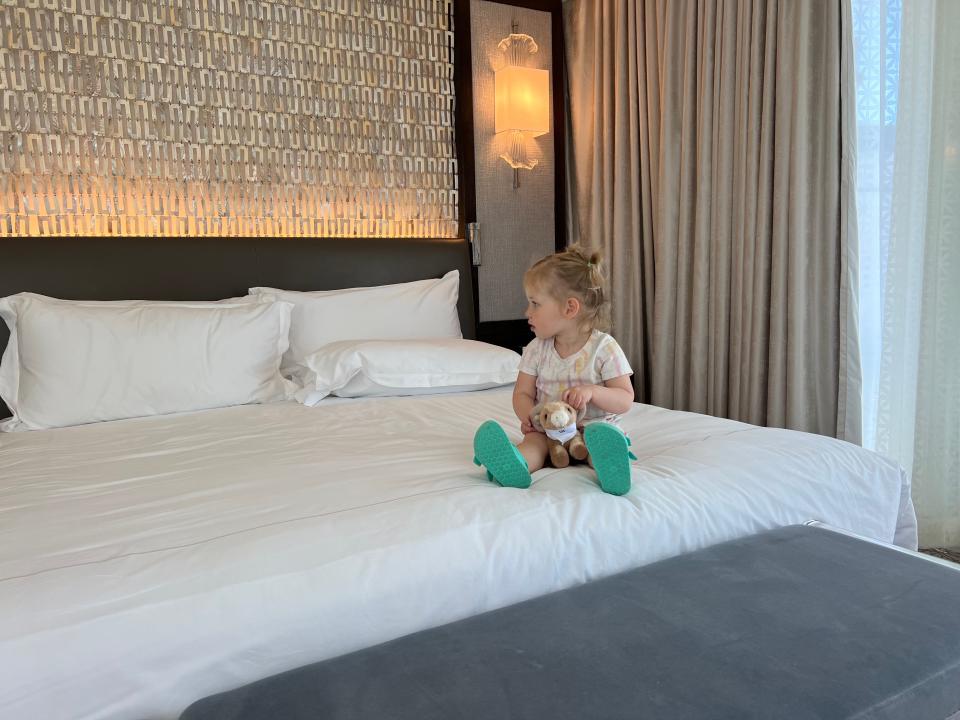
<point>227,118</point>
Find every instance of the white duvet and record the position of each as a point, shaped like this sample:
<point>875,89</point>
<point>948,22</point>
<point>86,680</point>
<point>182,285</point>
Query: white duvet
<point>148,563</point>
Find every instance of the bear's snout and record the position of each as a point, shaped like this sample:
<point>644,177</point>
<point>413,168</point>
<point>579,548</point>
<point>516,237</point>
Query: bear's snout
<point>559,418</point>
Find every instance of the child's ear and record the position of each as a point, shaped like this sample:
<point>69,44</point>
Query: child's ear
<point>572,307</point>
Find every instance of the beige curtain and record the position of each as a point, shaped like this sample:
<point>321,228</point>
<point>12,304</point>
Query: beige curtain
<point>711,153</point>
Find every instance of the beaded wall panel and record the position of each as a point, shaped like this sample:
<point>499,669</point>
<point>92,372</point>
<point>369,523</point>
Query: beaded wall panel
<point>227,118</point>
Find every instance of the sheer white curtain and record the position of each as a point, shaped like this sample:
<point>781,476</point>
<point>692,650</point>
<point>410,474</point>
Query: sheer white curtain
<point>908,98</point>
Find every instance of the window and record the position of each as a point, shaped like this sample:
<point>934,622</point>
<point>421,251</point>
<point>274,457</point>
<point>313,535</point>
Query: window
<point>876,39</point>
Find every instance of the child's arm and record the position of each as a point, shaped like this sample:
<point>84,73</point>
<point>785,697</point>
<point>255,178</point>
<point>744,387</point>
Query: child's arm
<point>614,396</point>
<point>524,399</point>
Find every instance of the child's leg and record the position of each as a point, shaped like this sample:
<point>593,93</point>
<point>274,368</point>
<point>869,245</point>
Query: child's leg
<point>534,449</point>
<point>504,462</point>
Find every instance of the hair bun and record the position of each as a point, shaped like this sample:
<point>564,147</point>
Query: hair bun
<point>588,256</point>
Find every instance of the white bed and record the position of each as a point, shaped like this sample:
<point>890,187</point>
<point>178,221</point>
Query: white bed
<point>147,563</point>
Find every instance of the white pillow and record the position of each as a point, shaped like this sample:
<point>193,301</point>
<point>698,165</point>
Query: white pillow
<point>375,368</point>
<point>74,362</point>
<point>419,309</point>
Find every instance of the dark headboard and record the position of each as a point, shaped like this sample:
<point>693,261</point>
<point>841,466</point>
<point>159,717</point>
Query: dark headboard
<point>215,268</point>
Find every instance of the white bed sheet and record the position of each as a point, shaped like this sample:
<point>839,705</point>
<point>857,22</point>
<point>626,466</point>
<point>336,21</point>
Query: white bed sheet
<point>147,563</point>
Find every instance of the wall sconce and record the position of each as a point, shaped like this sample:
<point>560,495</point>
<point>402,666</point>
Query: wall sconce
<point>522,101</point>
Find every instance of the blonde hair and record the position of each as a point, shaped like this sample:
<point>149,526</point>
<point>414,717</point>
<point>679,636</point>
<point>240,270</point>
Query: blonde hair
<point>575,272</point>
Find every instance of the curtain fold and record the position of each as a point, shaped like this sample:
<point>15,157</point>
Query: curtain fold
<point>611,101</point>
<point>712,154</point>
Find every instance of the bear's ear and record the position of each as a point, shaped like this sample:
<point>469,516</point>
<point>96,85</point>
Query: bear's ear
<point>578,414</point>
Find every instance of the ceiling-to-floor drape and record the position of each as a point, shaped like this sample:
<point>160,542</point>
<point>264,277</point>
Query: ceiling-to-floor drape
<point>712,159</point>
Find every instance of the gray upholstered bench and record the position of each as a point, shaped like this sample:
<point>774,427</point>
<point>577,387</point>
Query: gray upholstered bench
<point>799,622</point>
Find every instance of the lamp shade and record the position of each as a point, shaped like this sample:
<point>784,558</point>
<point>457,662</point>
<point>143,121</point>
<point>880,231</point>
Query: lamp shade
<point>522,100</point>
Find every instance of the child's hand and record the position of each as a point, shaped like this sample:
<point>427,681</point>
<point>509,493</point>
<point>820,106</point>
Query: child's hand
<point>578,397</point>
<point>526,427</point>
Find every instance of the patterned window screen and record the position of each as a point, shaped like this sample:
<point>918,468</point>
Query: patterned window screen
<point>876,37</point>
<point>227,118</point>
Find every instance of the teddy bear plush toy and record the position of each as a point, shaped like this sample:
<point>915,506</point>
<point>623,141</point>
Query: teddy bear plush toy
<point>564,441</point>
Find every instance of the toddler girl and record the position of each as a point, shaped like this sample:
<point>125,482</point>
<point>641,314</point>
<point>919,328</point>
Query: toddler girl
<point>570,360</point>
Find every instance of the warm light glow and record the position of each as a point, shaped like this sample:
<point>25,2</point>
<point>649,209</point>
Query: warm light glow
<point>522,100</point>
<point>92,206</point>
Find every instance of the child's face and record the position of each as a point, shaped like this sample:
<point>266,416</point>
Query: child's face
<point>547,316</point>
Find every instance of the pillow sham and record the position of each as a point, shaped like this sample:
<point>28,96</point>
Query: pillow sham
<point>419,309</point>
<point>378,368</point>
<point>76,362</point>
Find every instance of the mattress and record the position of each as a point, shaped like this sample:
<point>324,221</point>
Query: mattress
<point>148,563</point>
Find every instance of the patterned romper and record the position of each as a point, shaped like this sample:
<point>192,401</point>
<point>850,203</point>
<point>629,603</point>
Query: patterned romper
<point>600,359</point>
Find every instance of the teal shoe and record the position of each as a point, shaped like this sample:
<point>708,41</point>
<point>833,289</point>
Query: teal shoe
<point>504,463</point>
<point>610,455</point>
